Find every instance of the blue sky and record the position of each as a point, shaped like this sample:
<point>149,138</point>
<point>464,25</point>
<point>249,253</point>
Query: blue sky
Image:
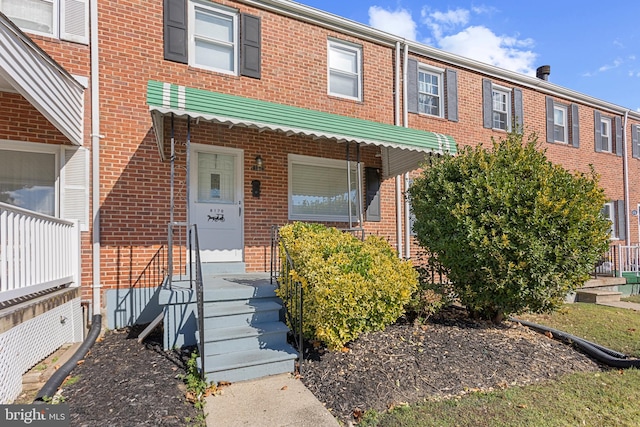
<point>591,48</point>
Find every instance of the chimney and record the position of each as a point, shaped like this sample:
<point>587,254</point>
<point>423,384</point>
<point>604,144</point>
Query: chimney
<point>543,72</point>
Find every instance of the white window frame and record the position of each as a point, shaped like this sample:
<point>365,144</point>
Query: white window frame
<point>221,11</point>
<point>55,25</point>
<point>506,92</point>
<point>565,132</point>
<point>439,73</point>
<point>351,48</point>
<point>609,146</point>
<point>32,147</point>
<point>329,164</point>
<point>612,218</point>
<point>70,20</point>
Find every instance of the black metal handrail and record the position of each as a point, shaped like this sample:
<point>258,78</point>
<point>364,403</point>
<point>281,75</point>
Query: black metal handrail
<point>289,290</point>
<point>149,280</point>
<point>607,265</point>
<point>193,238</point>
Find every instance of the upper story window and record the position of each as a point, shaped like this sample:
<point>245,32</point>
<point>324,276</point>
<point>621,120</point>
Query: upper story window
<point>345,70</point>
<point>430,91</point>
<point>64,19</point>
<point>501,107</point>
<point>212,37</point>
<point>608,133</point>
<point>605,135</point>
<point>635,141</point>
<point>501,115</point>
<point>562,123</point>
<point>560,132</point>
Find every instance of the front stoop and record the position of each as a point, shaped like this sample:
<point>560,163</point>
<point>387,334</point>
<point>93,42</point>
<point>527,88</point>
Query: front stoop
<point>597,296</point>
<point>243,336</point>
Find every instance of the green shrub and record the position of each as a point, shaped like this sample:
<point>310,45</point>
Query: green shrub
<point>513,231</point>
<point>433,292</point>
<point>349,286</point>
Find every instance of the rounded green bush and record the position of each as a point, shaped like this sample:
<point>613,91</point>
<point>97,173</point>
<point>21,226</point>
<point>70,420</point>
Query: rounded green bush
<point>513,231</point>
<point>349,286</point>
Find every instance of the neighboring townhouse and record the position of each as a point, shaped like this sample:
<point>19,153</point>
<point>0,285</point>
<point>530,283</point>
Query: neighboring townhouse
<point>241,115</point>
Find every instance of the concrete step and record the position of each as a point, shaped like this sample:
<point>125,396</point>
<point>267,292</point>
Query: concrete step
<point>597,296</point>
<point>245,338</point>
<point>239,313</point>
<point>219,288</point>
<point>246,365</point>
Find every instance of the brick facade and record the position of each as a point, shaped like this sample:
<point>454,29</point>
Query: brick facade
<point>135,182</point>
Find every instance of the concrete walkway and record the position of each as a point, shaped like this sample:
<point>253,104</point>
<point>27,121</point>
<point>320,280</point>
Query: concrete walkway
<point>275,401</point>
<point>622,304</point>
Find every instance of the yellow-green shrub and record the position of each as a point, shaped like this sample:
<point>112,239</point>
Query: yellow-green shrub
<point>349,286</point>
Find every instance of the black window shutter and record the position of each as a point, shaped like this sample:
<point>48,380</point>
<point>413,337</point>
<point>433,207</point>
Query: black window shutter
<point>598,130</point>
<point>621,220</point>
<point>452,94</point>
<point>550,119</point>
<point>635,149</point>
<point>175,31</point>
<point>251,47</point>
<point>373,180</point>
<point>487,103</point>
<point>518,110</point>
<point>575,126</point>
<point>412,86</point>
<point>618,134</point>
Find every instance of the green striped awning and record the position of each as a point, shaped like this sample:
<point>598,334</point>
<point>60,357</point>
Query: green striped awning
<point>410,144</point>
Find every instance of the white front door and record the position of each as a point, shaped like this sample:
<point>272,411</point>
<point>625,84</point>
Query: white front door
<point>216,202</point>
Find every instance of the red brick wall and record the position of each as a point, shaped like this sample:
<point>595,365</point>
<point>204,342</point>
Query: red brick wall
<point>135,182</point>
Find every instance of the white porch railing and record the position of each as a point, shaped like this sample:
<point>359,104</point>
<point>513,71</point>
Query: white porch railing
<point>628,259</point>
<point>37,252</point>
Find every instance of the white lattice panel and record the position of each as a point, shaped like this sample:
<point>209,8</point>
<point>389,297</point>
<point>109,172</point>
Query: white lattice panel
<point>25,345</point>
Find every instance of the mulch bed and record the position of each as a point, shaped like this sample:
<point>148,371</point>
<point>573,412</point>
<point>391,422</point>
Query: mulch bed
<point>449,356</point>
<point>123,383</point>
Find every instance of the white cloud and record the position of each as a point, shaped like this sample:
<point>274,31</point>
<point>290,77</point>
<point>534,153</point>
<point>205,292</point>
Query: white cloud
<point>398,22</point>
<point>482,44</point>
<point>616,63</point>
<point>451,32</point>
<point>442,22</point>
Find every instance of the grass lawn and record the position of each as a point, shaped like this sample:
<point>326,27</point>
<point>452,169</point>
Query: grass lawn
<point>632,298</point>
<point>586,399</point>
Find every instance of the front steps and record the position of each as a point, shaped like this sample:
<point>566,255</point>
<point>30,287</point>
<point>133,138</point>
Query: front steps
<point>597,296</point>
<point>243,335</point>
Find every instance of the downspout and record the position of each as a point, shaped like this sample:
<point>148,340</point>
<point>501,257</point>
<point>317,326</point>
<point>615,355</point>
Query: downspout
<point>625,162</point>
<point>397,123</point>
<point>95,152</point>
<point>405,123</point>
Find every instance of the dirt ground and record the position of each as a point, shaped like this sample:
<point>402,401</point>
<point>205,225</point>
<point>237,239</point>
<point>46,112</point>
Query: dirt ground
<point>123,383</point>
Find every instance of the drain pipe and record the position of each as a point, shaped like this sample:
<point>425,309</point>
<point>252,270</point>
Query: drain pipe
<point>405,123</point>
<point>51,386</point>
<point>625,166</point>
<point>601,354</point>
<point>95,151</point>
<point>398,186</point>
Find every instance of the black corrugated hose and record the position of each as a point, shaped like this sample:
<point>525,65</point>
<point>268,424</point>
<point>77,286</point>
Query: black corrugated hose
<point>51,386</point>
<point>602,354</point>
